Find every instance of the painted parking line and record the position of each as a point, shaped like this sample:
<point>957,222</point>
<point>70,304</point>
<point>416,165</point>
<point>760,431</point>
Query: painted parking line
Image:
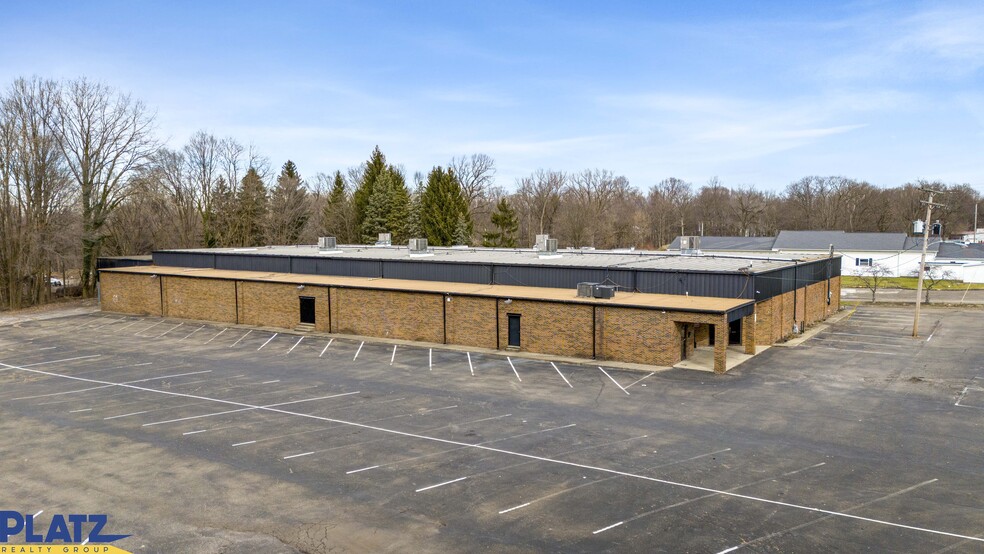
<point>295,345</point>
<point>359,350</point>
<point>268,406</point>
<point>828,516</point>
<point>640,380</point>
<point>325,349</point>
<point>125,415</point>
<point>905,338</point>
<point>430,359</point>
<point>169,330</point>
<point>267,342</point>
<point>605,479</point>
<point>111,322</point>
<point>441,484</point>
<point>191,333</point>
<point>130,325</point>
<point>858,342</point>
<point>711,495</point>
<point>241,338</point>
<point>562,375</point>
<point>195,432</point>
<point>613,380</point>
<point>216,335</point>
<point>855,351</point>
<point>558,462</point>
<point>148,329</point>
<point>493,441</point>
<point>270,382</point>
<point>9,367</point>
<point>514,368</point>
<point>470,366</point>
<point>393,357</point>
<point>80,410</point>
<point>62,393</point>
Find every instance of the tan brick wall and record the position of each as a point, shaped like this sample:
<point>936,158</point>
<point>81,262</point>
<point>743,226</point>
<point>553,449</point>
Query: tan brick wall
<point>550,327</point>
<point>279,305</point>
<point>471,321</point>
<point>636,335</point>
<point>388,314</point>
<point>703,333</point>
<point>130,293</point>
<point>204,299</point>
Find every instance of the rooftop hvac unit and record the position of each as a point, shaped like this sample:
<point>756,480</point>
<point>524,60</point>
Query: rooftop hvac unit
<point>551,245</point>
<point>385,239</point>
<point>418,246</point>
<point>604,291</point>
<point>689,243</point>
<point>326,243</point>
<point>541,242</point>
<point>585,290</point>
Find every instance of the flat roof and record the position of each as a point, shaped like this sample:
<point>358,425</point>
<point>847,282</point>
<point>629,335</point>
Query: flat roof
<point>611,259</point>
<point>672,302</point>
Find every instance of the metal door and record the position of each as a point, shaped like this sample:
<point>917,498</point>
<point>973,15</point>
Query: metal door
<point>307,309</point>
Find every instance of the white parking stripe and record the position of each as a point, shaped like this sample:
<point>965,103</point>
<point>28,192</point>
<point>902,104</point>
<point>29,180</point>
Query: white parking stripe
<point>325,348</point>
<point>267,342</point>
<point>562,375</point>
<point>295,345</point>
<point>613,380</point>
<point>216,335</point>
<point>441,484</point>
<point>393,357</point>
<point>513,368</point>
<point>470,366</point>
<point>241,338</point>
<point>359,350</point>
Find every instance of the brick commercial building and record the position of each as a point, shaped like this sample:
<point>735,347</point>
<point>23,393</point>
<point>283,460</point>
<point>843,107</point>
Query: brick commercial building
<point>663,308</point>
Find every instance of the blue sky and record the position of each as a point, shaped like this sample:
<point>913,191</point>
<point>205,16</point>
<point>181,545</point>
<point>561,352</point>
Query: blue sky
<point>754,93</point>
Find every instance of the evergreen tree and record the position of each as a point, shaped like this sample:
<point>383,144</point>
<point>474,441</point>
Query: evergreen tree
<point>377,214</point>
<point>399,206</point>
<point>506,224</point>
<point>224,206</point>
<point>289,210</point>
<point>444,210</point>
<point>251,210</point>
<point>375,168</point>
<point>336,219</point>
<point>413,229</point>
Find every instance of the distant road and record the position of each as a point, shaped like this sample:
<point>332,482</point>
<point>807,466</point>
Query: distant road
<point>900,295</point>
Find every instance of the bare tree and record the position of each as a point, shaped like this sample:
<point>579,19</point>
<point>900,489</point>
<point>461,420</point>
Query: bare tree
<point>933,277</point>
<point>33,187</point>
<point>872,278</point>
<point>538,198</point>
<point>105,136</point>
<point>585,218</point>
<point>666,207</point>
<point>476,173</point>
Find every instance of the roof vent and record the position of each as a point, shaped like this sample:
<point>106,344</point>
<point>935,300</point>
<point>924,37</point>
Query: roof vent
<point>326,243</point>
<point>585,290</point>
<point>603,291</point>
<point>418,248</point>
<point>690,245</point>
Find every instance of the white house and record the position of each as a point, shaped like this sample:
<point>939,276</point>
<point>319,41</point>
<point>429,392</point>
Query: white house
<point>896,252</point>
<point>964,261</point>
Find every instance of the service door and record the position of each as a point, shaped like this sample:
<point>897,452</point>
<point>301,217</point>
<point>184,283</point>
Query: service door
<point>514,330</point>
<point>307,310</point>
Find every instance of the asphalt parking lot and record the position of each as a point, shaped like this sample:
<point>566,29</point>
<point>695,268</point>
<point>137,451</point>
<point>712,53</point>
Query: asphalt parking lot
<point>207,438</point>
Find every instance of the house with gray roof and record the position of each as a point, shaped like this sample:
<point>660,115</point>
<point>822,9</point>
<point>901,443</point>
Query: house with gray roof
<point>895,252</point>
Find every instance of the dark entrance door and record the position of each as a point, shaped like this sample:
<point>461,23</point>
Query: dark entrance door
<point>734,332</point>
<point>307,309</point>
<point>684,336</point>
<point>513,329</point>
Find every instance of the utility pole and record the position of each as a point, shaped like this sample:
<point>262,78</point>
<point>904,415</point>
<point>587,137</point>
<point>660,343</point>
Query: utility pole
<point>975,223</point>
<point>922,261</point>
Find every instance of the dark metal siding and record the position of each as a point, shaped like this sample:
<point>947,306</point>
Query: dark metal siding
<point>480,274</point>
<point>759,286</point>
<point>110,263</point>
<point>735,315</point>
<point>245,262</point>
<point>184,259</point>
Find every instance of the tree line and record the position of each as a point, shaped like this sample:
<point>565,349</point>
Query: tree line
<point>83,175</point>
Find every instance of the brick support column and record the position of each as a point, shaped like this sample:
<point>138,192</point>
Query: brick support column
<point>748,333</point>
<point>721,345</point>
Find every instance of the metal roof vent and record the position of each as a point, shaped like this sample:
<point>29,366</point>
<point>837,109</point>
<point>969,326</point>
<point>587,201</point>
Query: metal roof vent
<point>690,245</point>
<point>585,290</point>
<point>326,243</point>
<point>418,248</point>
<point>604,291</point>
